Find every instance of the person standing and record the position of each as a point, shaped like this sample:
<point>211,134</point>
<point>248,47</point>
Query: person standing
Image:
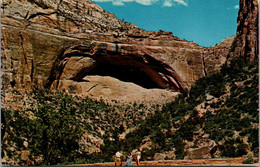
<point>118,161</point>
<point>129,161</point>
<point>138,157</point>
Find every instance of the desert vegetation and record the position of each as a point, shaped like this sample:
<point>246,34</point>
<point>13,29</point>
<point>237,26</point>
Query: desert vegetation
<point>57,128</point>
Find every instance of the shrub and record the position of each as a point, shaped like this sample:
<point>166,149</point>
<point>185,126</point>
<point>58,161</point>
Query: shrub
<point>53,130</point>
<point>249,160</point>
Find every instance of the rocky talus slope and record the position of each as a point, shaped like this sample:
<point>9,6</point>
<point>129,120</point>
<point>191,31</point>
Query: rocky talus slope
<point>57,43</point>
<point>217,117</point>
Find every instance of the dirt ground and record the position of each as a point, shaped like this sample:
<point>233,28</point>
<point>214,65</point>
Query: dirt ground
<point>197,162</point>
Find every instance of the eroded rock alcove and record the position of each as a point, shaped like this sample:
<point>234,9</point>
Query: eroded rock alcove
<point>100,72</point>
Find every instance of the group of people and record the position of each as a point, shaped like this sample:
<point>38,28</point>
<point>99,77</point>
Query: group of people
<point>129,161</point>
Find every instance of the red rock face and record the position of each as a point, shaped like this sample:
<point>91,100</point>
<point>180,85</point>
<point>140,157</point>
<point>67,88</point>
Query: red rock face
<point>246,42</point>
<point>46,42</point>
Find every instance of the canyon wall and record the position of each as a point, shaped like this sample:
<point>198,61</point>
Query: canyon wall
<point>246,42</point>
<point>75,45</point>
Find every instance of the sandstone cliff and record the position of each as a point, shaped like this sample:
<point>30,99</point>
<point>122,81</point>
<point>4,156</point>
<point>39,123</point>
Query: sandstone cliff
<point>57,43</point>
<point>246,42</point>
<point>78,47</point>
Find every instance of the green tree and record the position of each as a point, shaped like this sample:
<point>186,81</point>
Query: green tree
<point>53,130</point>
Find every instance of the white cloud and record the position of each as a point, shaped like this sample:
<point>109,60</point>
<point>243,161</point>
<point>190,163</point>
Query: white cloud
<point>236,7</point>
<point>166,3</point>
<point>182,2</point>
<point>118,3</point>
<point>146,2</point>
<point>122,2</point>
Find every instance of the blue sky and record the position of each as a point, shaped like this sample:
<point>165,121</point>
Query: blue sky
<point>206,22</point>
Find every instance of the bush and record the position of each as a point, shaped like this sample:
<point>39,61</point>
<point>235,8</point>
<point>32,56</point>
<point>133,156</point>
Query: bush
<point>53,130</point>
<point>249,160</point>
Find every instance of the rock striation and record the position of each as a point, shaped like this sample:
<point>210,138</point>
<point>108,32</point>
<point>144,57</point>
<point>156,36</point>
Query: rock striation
<point>57,44</point>
<point>246,42</point>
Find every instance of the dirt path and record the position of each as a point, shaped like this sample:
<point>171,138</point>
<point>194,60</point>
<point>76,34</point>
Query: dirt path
<point>198,162</point>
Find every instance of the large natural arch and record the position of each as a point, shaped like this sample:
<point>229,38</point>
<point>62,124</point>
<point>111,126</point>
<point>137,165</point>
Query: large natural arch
<point>141,69</point>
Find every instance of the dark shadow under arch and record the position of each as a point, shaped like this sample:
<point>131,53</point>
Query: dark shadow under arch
<point>126,73</point>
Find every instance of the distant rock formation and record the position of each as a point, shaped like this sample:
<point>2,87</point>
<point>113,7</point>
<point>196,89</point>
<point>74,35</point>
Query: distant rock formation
<point>57,44</point>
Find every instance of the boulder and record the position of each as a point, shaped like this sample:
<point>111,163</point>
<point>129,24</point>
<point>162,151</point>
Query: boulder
<point>170,154</point>
<point>196,153</point>
<point>25,155</point>
<point>159,156</point>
